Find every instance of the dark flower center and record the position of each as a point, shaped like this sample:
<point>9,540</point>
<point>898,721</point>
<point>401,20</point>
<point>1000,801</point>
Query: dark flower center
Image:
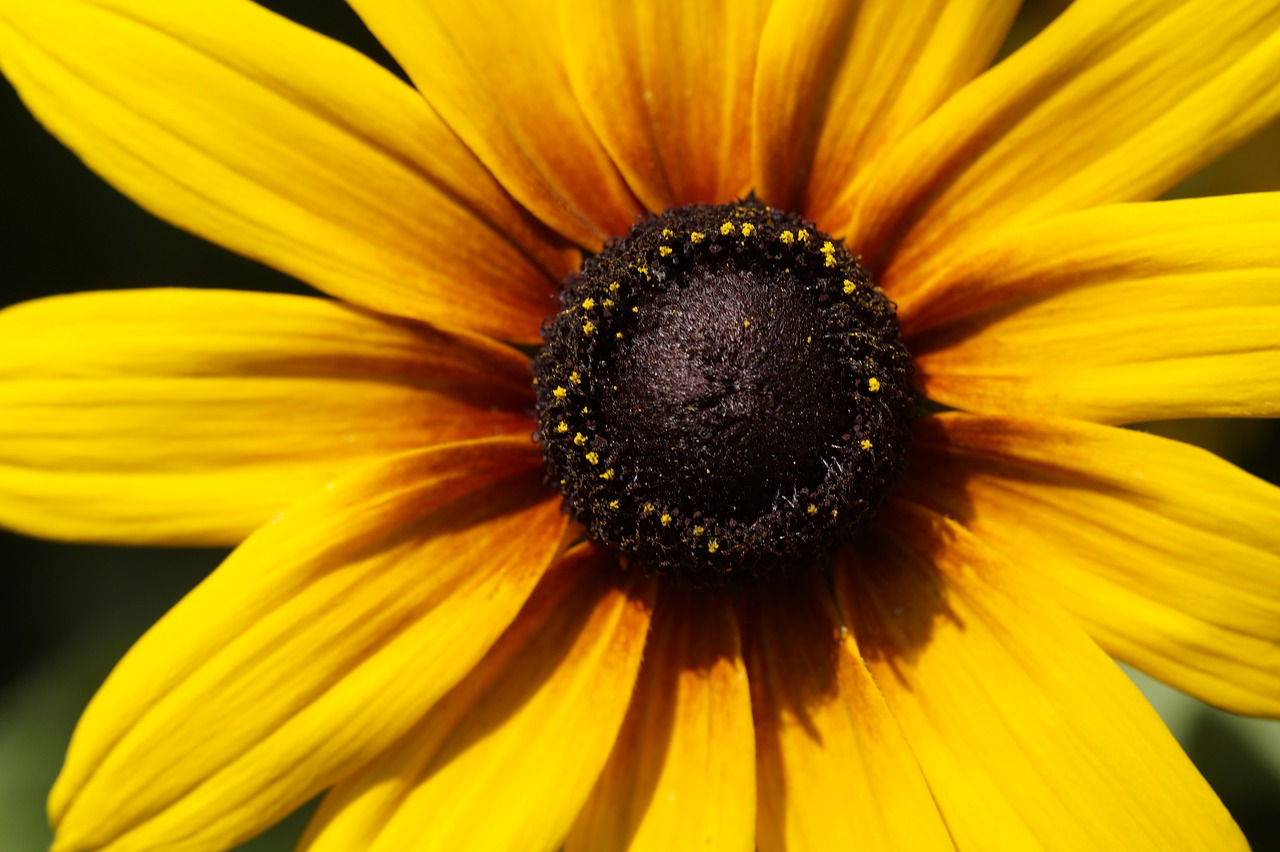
<point>723,393</point>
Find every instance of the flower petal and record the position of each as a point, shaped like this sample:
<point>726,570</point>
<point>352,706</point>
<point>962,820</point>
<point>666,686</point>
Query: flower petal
<point>194,416</point>
<point>682,774</point>
<point>321,641</point>
<point>667,88</point>
<point>840,80</point>
<point>496,73</point>
<point>1165,553</point>
<point>530,729</point>
<point>287,147</point>
<point>1116,314</point>
<point>834,771</point>
<point>1029,736</point>
<point>1112,102</point>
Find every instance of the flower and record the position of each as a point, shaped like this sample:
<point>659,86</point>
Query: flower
<point>412,625</point>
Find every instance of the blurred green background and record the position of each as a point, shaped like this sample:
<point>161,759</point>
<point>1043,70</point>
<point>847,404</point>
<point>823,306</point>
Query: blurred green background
<point>68,612</point>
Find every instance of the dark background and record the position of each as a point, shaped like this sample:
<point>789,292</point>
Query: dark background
<point>68,612</point>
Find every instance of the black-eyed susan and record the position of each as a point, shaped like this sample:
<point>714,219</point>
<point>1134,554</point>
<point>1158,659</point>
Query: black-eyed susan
<point>747,589</point>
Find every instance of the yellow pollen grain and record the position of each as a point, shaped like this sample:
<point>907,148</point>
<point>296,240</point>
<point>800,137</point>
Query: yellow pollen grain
<point>802,235</point>
<point>575,377</point>
<point>647,509</point>
<point>713,546</point>
<point>667,233</point>
<point>849,287</point>
<point>873,384</point>
<point>613,504</point>
<point>607,303</point>
<point>562,426</point>
<point>643,270</point>
<point>829,253</point>
<point>618,335</point>
<point>699,530</point>
<point>748,229</point>
<point>614,287</point>
<point>835,512</point>
<point>726,229</point>
<point>635,309</point>
<point>588,327</point>
<point>593,457</point>
<point>866,445</point>
<point>586,410</point>
<point>787,237</point>
<point>665,251</point>
<point>696,236</point>
<point>608,474</point>
<point>588,303</point>
<point>746,323</point>
<point>811,509</point>
<point>560,393</point>
<point>665,520</point>
<point>580,439</point>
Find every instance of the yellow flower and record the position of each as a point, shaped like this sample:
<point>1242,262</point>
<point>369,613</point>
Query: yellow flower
<point>408,622</point>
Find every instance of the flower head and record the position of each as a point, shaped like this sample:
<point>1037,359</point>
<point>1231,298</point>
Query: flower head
<point>827,526</point>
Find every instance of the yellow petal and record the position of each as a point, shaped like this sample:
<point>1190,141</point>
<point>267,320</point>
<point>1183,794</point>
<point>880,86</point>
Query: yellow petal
<point>1117,314</point>
<point>1030,738</point>
<point>496,73</point>
<point>667,88</point>
<point>287,147</point>
<point>839,80</point>
<point>194,416</point>
<point>321,641</point>
<point>834,771</point>
<point>1165,553</point>
<point>1112,102</point>
<point>682,774</point>
<point>506,760</point>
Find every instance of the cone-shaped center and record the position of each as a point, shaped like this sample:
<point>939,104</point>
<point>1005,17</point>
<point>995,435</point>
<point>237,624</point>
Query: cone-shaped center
<point>723,393</point>
<point>724,388</point>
